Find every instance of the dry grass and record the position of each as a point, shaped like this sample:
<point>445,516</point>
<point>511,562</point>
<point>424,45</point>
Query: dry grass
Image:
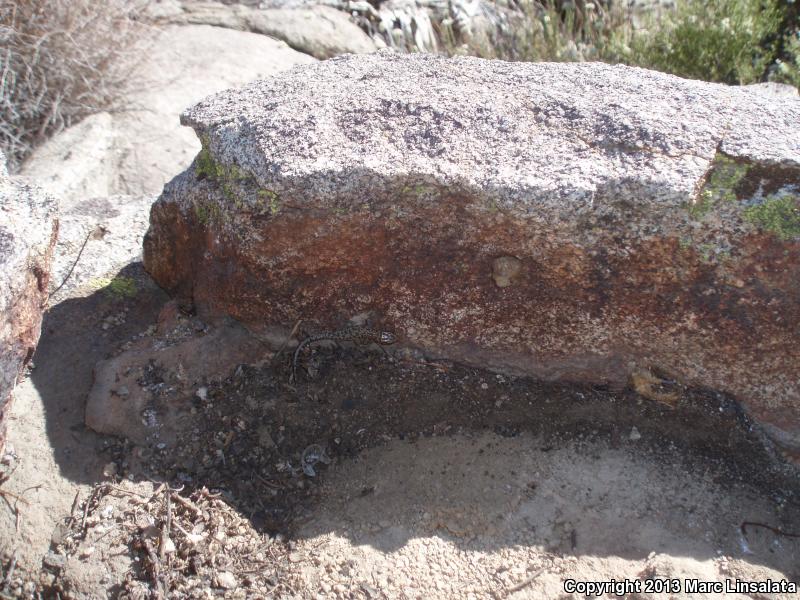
<point>61,60</point>
<point>550,30</point>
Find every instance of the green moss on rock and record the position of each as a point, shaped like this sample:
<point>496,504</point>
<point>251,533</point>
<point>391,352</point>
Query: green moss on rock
<point>720,186</point>
<point>207,166</point>
<point>270,200</point>
<point>118,288</point>
<point>207,212</point>
<point>778,215</point>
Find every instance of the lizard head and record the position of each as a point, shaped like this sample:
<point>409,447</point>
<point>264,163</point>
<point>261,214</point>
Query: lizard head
<point>387,337</point>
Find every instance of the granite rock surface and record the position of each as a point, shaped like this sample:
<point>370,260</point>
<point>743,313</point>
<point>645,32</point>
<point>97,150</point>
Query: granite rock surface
<point>28,229</point>
<point>567,221</point>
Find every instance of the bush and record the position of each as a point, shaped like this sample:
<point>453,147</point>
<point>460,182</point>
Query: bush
<point>727,41</point>
<point>550,30</point>
<point>786,68</point>
<point>61,60</point>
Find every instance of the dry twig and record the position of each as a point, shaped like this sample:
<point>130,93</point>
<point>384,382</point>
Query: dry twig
<point>524,583</point>
<point>775,530</point>
<point>188,504</point>
<point>286,341</point>
<point>72,268</point>
<point>5,494</point>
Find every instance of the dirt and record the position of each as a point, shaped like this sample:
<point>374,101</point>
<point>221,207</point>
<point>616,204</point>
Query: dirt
<point>379,476</point>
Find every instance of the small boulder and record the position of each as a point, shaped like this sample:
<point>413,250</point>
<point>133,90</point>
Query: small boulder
<point>97,238</point>
<point>319,30</point>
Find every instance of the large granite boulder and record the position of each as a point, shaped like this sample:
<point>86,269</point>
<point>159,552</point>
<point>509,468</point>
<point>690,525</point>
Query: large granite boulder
<point>28,229</point>
<point>573,221</point>
<point>135,151</point>
<point>97,238</point>
<point>319,30</point>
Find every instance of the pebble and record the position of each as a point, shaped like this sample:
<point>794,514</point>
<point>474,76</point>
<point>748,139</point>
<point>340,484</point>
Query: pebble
<point>54,560</point>
<point>226,580</point>
<point>169,546</point>
<point>634,435</point>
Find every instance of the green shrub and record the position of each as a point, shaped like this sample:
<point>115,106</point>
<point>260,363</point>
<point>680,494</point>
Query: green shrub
<point>728,41</point>
<point>787,68</point>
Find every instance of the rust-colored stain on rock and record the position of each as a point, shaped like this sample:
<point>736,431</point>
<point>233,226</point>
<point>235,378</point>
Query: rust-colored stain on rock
<point>573,312</point>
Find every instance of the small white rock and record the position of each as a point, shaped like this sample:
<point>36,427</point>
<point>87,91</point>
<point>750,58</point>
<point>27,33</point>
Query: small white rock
<point>226,580</point>
<point>169,545</point>
<point>202,393</point>
<point>635,435</point>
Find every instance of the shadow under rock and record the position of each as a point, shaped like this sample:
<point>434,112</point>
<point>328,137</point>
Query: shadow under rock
<point>76,334</point>
<point>577,488</point>
<point>570,468</point>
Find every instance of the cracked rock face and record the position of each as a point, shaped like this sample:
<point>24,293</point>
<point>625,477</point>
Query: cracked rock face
<point>28,229</point>
<point>646,222</point>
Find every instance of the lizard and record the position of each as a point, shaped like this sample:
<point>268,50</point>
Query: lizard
<point>359,335</point>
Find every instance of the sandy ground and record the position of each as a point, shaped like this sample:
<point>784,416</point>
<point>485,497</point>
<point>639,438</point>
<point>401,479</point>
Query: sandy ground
<point>434,489</point>
<point>478,516</point>
<point>55,455</point>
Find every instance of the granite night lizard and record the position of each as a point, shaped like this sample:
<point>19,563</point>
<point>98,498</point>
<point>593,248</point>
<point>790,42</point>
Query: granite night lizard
<point>359,335</point>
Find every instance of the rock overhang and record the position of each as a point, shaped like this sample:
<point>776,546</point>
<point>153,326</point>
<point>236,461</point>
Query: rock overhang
<point>654,220</point>
<point>526,132</point>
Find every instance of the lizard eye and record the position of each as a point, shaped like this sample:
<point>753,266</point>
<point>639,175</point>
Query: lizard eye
<point>387,338</point>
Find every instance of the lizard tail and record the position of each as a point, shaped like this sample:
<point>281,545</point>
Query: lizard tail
<point>297,351</point>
